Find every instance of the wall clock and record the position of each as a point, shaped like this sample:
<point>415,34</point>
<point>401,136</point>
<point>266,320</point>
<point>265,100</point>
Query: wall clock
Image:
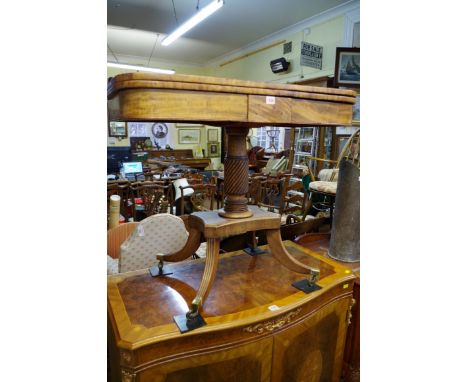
<point>159,130</point>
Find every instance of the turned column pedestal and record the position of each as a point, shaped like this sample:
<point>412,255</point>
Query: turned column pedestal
<point>236,175</point>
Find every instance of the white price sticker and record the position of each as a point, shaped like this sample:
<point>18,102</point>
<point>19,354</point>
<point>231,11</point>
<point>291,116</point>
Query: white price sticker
<point>273,307</point>
<point>270,100</point>
<point>141,230</point>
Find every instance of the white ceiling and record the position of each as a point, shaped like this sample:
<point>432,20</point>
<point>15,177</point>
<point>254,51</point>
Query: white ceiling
<point>133,27</point>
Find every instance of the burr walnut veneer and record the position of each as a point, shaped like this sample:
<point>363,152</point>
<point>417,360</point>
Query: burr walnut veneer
<point>259,328</point>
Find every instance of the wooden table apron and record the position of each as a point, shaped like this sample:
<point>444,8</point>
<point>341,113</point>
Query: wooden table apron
<point>235,104</point>
<point>255,319</point>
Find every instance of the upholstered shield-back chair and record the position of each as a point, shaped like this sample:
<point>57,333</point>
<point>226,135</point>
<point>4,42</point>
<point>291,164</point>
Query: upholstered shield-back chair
<point>154,237</point>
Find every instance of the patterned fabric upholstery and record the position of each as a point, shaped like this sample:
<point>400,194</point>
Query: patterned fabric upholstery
<point>320,186</point>
<point>161,234</point>
<point>112,265</point>
<point>326,174</point>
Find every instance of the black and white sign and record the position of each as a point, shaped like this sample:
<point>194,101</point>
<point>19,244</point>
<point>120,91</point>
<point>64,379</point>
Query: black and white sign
<point>311,55</point>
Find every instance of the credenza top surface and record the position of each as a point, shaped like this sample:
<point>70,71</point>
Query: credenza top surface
<point>245,290</point>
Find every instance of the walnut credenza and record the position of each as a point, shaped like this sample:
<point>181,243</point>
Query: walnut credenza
<point>259,328</point>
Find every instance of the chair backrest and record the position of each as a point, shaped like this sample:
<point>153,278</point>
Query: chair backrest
<point>270,193</point>
<point>156,197</point>
<point>150,175</point>
<point>293,198</point>
<point>162,234</point>
<point>201,199</point>
<point>116,236</point>
<point>177,184</point>
<point>194,178</point>
<point>254,193</point>
<point>255,153</point>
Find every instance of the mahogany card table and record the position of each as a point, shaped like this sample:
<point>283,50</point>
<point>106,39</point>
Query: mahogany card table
<point>235,105</point>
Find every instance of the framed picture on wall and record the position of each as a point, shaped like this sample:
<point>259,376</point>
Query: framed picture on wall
<point>189,136</point>
<point>118,129</point>
<point>212,135</point>
<point>347,67</point>
<point>213,150</point>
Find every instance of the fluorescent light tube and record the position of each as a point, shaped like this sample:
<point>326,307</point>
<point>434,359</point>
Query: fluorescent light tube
<point>194,20</point>
<point>141,68</point>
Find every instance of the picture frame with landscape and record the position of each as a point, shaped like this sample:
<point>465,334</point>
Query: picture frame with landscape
<point>189,136</point>
<point>347,67</point>
<point>118,129</point>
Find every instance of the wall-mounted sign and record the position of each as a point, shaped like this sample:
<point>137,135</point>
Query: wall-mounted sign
<point>311,55</point>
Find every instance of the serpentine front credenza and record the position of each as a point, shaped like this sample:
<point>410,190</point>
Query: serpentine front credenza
<point>259,328</point>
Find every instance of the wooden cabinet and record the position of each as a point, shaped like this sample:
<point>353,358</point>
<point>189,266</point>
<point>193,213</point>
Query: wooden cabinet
<point>259,328</point>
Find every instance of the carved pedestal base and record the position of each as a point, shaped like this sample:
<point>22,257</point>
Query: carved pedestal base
<point>235,215</point>
<point>215,227</point>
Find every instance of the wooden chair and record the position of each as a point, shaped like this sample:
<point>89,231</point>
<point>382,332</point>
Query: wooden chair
<point>254,154</point>
<point>270,193</point>
<point>156,198</point>
<point>219,190</point>
<point>115,237</point>
<point>294,199</point>
<point>194,178</point>
<point>150,175</point>
<point>201,199</point>
<point>254,193</point>
<point>157,236</point>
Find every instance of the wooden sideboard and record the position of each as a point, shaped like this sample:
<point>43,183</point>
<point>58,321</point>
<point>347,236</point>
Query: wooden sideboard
<point>177,153</point>
<point>259,328</point>
<point>166,158</point>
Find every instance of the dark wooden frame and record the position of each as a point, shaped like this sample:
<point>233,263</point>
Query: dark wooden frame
<point>113,133</point>
<point>209,154</point>
<point>337,81</point>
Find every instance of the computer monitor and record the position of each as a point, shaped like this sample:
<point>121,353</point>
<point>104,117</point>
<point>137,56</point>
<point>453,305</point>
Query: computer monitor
<point>132,168</point>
